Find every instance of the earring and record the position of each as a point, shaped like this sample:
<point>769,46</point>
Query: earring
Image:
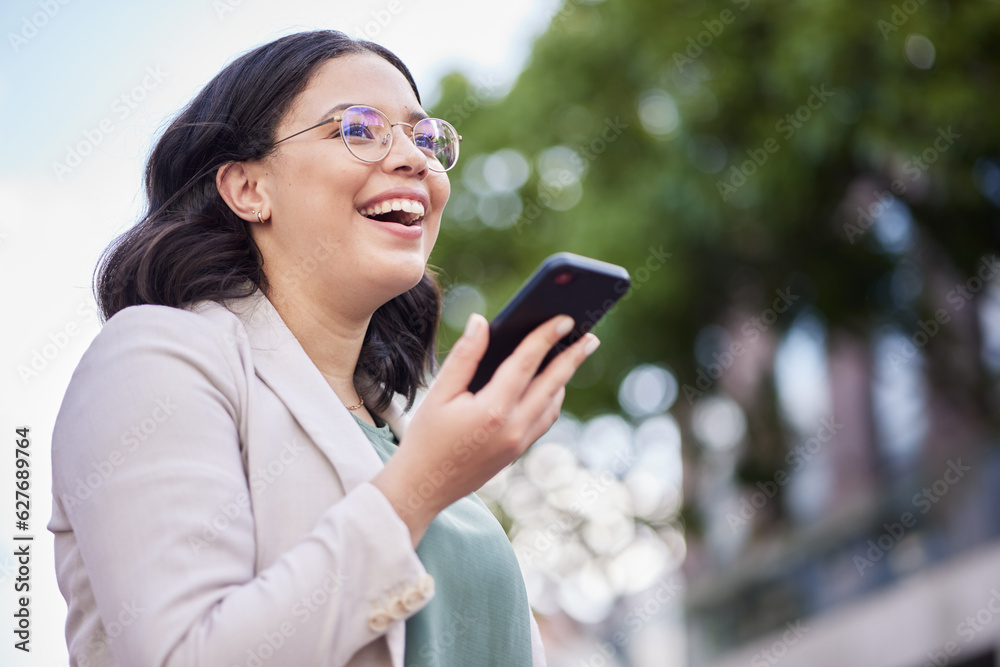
<point>258,217</point>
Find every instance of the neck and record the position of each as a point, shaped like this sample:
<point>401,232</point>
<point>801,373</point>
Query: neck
<point>330,337</point>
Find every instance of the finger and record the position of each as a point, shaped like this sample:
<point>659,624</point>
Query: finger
<point>545,420</point>
<point>515,373</point>
<point>463,359</point>
<point>555,376</point>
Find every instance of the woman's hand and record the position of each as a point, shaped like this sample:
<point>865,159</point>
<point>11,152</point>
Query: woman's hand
<point>458,440</point>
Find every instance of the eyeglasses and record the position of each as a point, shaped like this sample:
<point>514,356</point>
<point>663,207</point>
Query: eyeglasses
<point>367,133</point>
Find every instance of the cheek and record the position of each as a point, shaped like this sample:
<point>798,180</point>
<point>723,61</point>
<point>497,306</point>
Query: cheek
<point>447,188</point>
<point>430,240</point>
<point>441,191</point>
<point>320,178</point>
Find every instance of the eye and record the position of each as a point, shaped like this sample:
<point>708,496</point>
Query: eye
<point>428,142</point>
<point>361,131</point>
<point>333,129</point>
<point>356,130</point>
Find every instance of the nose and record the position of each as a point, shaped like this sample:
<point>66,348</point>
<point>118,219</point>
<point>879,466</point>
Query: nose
<point>403,153</point>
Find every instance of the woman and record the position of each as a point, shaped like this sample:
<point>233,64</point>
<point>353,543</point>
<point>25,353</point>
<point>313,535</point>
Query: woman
<point>236,479</point>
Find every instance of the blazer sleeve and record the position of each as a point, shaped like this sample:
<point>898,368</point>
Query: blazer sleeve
<point>146,455</point>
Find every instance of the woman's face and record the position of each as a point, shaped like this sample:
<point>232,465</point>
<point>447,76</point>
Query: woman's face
<point>316,239</point>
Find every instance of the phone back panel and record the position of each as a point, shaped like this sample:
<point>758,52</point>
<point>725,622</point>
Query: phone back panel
<point>565,284</point>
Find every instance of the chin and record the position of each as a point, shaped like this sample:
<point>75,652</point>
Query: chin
<point>405,275</point>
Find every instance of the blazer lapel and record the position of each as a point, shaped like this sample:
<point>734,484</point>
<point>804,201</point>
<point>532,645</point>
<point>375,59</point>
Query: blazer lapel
<point>284,366</point>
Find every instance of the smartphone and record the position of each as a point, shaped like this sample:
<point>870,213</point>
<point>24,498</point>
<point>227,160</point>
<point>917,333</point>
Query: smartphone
<point>564,284</point>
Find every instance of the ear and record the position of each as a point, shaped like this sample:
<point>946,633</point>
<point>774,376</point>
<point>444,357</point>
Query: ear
<point>241,191</point>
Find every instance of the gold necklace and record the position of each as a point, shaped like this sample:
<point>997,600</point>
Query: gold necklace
<point>361,401</point>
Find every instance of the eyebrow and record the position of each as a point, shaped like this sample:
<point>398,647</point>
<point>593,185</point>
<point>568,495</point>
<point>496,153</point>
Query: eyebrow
<point>332,111</point>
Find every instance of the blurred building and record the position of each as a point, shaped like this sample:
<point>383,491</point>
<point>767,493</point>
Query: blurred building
<point>872,540</point>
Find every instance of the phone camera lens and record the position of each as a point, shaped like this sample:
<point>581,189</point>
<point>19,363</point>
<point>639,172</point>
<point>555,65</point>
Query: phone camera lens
<point>564,278</point>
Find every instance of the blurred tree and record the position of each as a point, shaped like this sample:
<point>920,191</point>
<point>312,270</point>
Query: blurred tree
<point>726,152</point>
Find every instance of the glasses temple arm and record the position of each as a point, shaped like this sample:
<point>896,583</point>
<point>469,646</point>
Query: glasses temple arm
<point>322,122</point>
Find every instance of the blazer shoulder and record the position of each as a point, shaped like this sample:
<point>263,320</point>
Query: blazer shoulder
<point>155,340</point>
<point>200,314</point>
<point>204,324</point>
<point>149,351</point>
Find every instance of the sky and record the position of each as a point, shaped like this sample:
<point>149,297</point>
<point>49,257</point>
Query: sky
<point>85,88</point>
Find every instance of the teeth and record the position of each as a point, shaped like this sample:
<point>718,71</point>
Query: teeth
<point>405,205</point>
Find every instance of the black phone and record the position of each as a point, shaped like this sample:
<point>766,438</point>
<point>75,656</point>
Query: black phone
<point>564,284</point>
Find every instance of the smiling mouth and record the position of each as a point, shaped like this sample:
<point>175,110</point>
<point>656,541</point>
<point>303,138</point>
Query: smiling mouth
<point>401,211</point>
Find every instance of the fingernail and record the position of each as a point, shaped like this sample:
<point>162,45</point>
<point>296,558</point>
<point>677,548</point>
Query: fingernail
<point>471,325</point>
<point>565,326</point>
<point>591,345</point>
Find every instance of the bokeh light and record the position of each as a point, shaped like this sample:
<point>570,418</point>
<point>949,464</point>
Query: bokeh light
<point>658,112</point>
<point>920,51</point>
<point>459,302</point>
<point>647,389</point>
<point>718,422</point>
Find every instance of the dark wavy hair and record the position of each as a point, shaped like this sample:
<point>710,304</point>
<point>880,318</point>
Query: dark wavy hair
<point>189,246</point>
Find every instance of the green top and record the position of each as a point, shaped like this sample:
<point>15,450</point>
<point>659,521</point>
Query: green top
<point>479,612</point>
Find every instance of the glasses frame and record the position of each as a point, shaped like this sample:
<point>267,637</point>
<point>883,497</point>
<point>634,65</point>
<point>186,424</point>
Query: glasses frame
<point>340,117</point>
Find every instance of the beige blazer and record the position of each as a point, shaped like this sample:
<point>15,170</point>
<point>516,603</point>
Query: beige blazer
<point>212,503</point>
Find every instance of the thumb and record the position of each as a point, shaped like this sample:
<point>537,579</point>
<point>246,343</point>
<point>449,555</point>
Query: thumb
<point>463,359</point>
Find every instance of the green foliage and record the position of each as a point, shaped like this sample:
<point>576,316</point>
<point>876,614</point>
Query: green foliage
<point>737,90</point>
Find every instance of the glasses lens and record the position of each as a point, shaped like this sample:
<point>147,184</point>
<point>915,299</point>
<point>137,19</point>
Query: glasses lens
<point>439,141</point>
<point>366,132</point>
